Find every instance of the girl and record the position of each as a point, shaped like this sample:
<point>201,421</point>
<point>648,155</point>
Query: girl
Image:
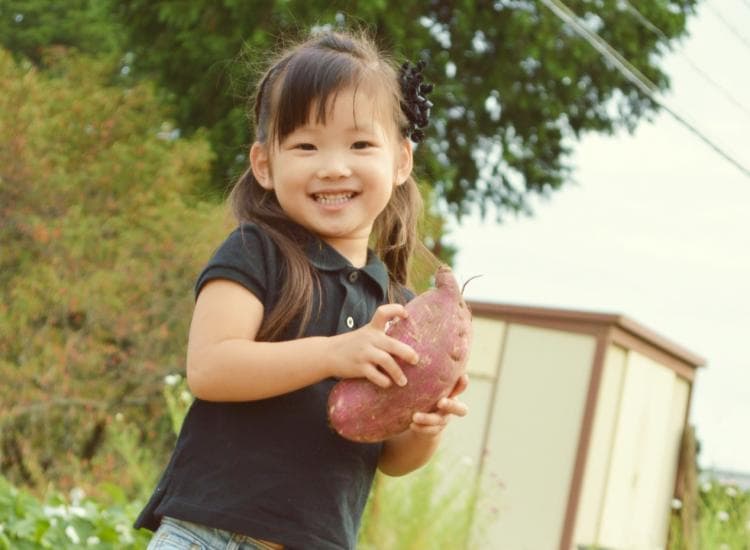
<point>294,300</point>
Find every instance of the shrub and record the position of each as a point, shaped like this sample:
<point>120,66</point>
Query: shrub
<point>67,522</point>
<point>101,238</point>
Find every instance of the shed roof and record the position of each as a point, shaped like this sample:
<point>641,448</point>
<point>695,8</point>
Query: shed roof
<point>622,329</point>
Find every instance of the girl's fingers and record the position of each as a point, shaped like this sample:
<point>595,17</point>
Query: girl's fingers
<point>434,423</point>
<point>374,375</point>
<point>386,362</point>
<point>425,429</point>
<point>429,419</point>
<point>452,406</point>
<point>387,312</point>
<point>461,384</point>
<point>398,349</point>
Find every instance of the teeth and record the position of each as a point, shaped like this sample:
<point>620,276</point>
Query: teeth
<point>332,198</point>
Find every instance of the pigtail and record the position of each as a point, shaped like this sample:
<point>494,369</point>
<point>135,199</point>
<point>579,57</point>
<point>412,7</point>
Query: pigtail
<point>397,239</point>
<point>251,203</point>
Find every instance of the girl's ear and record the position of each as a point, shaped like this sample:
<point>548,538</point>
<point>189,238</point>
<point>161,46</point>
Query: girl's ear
<point>404,161</point>
<point>261,165</point>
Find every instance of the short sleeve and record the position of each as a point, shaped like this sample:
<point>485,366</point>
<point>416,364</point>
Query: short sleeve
<point>248,257</point>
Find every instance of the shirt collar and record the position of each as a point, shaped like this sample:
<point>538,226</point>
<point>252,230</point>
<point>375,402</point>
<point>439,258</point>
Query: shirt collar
<point>326,258</point>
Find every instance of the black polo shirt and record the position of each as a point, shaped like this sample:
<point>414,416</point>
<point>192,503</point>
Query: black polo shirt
<point>273,468</point>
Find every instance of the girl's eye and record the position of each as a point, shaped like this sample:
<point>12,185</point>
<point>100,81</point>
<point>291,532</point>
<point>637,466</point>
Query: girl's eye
<point>361,145</point>
<point>305,146</point>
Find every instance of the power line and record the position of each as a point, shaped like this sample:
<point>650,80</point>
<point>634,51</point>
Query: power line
<point>728,25</point>
<point>661,34</point>
<point>631,73</point>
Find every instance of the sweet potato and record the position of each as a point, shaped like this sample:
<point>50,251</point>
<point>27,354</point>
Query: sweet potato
<point>439,329</point>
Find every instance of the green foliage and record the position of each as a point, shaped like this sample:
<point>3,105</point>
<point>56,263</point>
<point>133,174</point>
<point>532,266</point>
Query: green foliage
<point>439,506</point>
<point>27,27</point>
<point>514,85</point>
<point>142,464</point>
<point>723,520</point>
<point>178,400</point>
<point>723,517</point>
<point>101,238</point>
<point>67,522</point>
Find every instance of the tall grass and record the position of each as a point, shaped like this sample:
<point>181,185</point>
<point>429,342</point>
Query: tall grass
<point>442,505</point>
<point>722,522</point>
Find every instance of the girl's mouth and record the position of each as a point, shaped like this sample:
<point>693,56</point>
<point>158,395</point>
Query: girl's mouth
<point>331,199</point>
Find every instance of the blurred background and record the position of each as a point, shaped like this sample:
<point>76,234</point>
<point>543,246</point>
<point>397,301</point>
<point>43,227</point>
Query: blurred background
<point>585,155</point>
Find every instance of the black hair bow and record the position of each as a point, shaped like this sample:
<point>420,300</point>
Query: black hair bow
<point>415,105</point>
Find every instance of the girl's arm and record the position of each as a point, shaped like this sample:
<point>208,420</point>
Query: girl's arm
<point>412,449</point>
<point>225,363</point>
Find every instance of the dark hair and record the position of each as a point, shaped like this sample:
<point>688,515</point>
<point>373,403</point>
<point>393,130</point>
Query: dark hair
<point>299,84</point>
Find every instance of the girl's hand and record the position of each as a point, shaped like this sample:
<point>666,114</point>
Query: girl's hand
<point>369,352</point>
<point>433,423</point>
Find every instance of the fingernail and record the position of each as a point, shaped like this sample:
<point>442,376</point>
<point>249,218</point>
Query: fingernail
<point>402,381</point>
<point>416,360</point>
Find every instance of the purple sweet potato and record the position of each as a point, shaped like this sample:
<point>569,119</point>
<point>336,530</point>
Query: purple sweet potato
<point>439,330</point>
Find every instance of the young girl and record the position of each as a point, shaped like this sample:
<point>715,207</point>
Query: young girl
<point>294,300</point>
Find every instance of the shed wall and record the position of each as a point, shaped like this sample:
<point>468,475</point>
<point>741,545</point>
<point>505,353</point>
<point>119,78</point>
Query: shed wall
<point>644,456</point>
<point>534,432</point>
<point>596,475</point>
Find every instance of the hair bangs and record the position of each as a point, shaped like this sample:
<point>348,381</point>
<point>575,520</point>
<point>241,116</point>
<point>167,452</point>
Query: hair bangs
<point>310,83</point>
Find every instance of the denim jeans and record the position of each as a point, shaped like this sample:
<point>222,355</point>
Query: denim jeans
<point>175,534</point>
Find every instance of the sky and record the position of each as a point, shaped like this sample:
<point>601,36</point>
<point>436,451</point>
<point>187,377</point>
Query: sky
<point>654,226</point>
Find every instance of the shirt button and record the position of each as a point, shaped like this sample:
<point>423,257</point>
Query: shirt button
<point>353,276</point>
<point>350,322</point>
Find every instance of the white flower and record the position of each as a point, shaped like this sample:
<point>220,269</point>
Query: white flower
<point>78,511</point>
<point>186,397</point>
<point>55,511</point>
<point>126,535</point>
<point>676,504</point>
<point>731,492</point>
<point>72,534</point>
<point>721,515</point>
<point>119,417</point>
<point>172,379</point>
<point>76,495</point>
<point>706,487</point>
<point>92,541</point>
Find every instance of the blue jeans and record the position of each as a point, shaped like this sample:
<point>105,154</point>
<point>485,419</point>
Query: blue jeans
<point>175,534</point>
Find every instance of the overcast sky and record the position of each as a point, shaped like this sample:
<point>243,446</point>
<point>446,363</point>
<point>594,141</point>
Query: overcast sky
<point>656,227</point>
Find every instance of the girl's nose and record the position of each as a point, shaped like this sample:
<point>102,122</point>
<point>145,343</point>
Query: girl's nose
<point>332,168</point>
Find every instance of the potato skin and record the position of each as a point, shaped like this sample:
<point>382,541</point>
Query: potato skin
<point>439,329</point>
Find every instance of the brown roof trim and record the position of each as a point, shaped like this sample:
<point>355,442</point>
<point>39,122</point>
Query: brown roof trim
<point>588,322</point>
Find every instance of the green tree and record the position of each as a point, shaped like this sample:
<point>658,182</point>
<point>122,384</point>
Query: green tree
<point>28,27</point>
<point>515,87</point>
<point>101,237</point>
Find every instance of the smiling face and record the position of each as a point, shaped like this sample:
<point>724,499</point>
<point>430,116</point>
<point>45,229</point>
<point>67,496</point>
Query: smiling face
<point>335,174</point>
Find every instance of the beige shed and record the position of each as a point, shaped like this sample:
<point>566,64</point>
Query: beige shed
<point>575,422</point>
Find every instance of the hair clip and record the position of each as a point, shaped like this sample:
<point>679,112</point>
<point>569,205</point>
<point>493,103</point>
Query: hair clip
<point>415,105</point>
